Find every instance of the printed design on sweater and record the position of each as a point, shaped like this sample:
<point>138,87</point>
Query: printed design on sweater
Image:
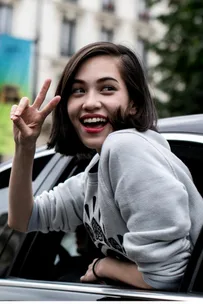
<point>96,230</point>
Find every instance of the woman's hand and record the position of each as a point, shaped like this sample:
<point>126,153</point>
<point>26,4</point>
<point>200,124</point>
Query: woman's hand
<point>89,275</point>
<point>116,270</point>
<point>28,119</point>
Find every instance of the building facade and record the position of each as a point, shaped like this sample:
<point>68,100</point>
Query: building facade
<point>58,28</point>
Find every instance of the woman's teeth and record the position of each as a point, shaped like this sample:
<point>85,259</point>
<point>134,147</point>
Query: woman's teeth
<point>93,120</point>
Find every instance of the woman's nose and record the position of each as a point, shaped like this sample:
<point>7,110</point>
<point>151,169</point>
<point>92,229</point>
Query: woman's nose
<point>91,102</point>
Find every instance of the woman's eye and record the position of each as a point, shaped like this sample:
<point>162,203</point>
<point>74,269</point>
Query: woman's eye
<point>78,91</point>
<point>108,89</point>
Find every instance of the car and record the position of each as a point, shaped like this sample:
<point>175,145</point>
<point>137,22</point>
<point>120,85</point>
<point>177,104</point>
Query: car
<point>47,266</point>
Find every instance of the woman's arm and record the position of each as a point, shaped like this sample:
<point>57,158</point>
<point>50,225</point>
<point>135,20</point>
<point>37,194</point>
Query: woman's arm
<point>27,122</point>
<point>20,189</point>
<point>116,270</point>
<point>144,179</point>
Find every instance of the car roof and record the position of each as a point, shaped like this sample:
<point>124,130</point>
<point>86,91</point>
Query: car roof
<point>182,124</point>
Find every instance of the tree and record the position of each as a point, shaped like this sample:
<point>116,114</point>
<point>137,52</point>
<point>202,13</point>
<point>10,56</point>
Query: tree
<point>181,57</point>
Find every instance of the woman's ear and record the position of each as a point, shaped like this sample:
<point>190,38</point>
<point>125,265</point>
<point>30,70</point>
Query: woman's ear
<point>133,109</point>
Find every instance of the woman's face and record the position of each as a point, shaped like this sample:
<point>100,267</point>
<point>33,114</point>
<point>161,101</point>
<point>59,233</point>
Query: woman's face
<point>97,92</point>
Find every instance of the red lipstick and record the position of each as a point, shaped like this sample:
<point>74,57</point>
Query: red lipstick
<point>93,130</point>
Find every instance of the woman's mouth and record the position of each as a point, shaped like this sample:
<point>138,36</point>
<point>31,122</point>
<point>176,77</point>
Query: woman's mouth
<point>94,124</point>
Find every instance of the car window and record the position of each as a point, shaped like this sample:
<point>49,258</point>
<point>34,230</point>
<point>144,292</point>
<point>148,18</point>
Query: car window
<point>10,240</point>
<point>54,253</point>
<point>55,256</point>
<point>39,164</point>
<point>76,252</point>
<point>191,153</point>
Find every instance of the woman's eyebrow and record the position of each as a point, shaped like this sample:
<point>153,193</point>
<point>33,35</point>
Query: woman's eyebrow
<point>77,80</point>
<point>106,78</point>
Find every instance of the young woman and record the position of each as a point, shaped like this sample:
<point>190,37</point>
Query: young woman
<point>136,199</point>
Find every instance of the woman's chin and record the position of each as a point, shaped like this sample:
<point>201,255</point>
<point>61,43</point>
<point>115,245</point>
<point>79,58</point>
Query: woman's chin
<point>95,140</point>
<point>94,144</point>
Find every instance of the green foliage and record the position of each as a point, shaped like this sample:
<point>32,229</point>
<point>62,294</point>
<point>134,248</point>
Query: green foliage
<point>6,130</point>
<point>181,57</point>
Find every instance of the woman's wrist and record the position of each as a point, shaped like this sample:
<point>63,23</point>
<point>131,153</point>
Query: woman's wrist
<point>95,272</point>
<point>25,151</point>
<point>101,268</point>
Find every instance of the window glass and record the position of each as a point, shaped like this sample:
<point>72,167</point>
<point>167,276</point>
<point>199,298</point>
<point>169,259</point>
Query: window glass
<point>142,6</point>
<point>106,35</point>
<point>143,12</point>
<point>192,155</point>
<point>108,5</point>
<point>39,164</point>
<point>5,18</point>
<point>68,37</point>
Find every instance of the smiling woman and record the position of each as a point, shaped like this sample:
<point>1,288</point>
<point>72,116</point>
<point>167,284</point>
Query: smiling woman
<point>96,95</point>
<point>136,199</point>
<point>140,111</point>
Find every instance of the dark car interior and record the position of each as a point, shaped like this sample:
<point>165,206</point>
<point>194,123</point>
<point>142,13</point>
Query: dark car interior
<point>56,256</point>
<point>191,155</point>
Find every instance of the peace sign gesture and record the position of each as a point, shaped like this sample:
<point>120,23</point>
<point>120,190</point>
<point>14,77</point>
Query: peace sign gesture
<point>28,119</point>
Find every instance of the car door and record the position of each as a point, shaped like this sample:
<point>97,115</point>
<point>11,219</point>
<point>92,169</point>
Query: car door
<point>10,240</point>
<point>51,260</point>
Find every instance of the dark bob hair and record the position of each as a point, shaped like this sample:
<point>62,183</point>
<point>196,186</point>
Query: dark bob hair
<point>63,136</point>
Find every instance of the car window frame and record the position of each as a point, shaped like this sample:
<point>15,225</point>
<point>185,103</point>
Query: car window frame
<point>100,290</point>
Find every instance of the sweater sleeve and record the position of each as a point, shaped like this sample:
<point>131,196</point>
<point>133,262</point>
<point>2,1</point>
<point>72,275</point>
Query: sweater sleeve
<point>60,208</point>
<point>154,205</point>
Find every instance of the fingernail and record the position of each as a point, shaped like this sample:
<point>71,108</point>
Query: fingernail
<point>17,112</point>
<point>13,116</point>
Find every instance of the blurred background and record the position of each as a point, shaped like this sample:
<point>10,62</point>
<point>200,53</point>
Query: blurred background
<point>37,38</point>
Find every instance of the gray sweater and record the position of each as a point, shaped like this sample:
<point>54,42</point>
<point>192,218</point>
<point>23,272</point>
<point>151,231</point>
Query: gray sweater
<point>140,205</point>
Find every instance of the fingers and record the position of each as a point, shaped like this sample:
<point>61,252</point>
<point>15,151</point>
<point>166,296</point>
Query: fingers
<point>42,94</point>
<point>82,279</point>
<point>17,110</point>
<point>50,106</point>
<point>13,109</point>
<point>89,276</point>
<point>86,277</point>
<point>20,124</point>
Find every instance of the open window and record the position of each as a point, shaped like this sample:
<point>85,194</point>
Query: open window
<point>191,153</point>
<point>56,256</point>
<point>10,240</point>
